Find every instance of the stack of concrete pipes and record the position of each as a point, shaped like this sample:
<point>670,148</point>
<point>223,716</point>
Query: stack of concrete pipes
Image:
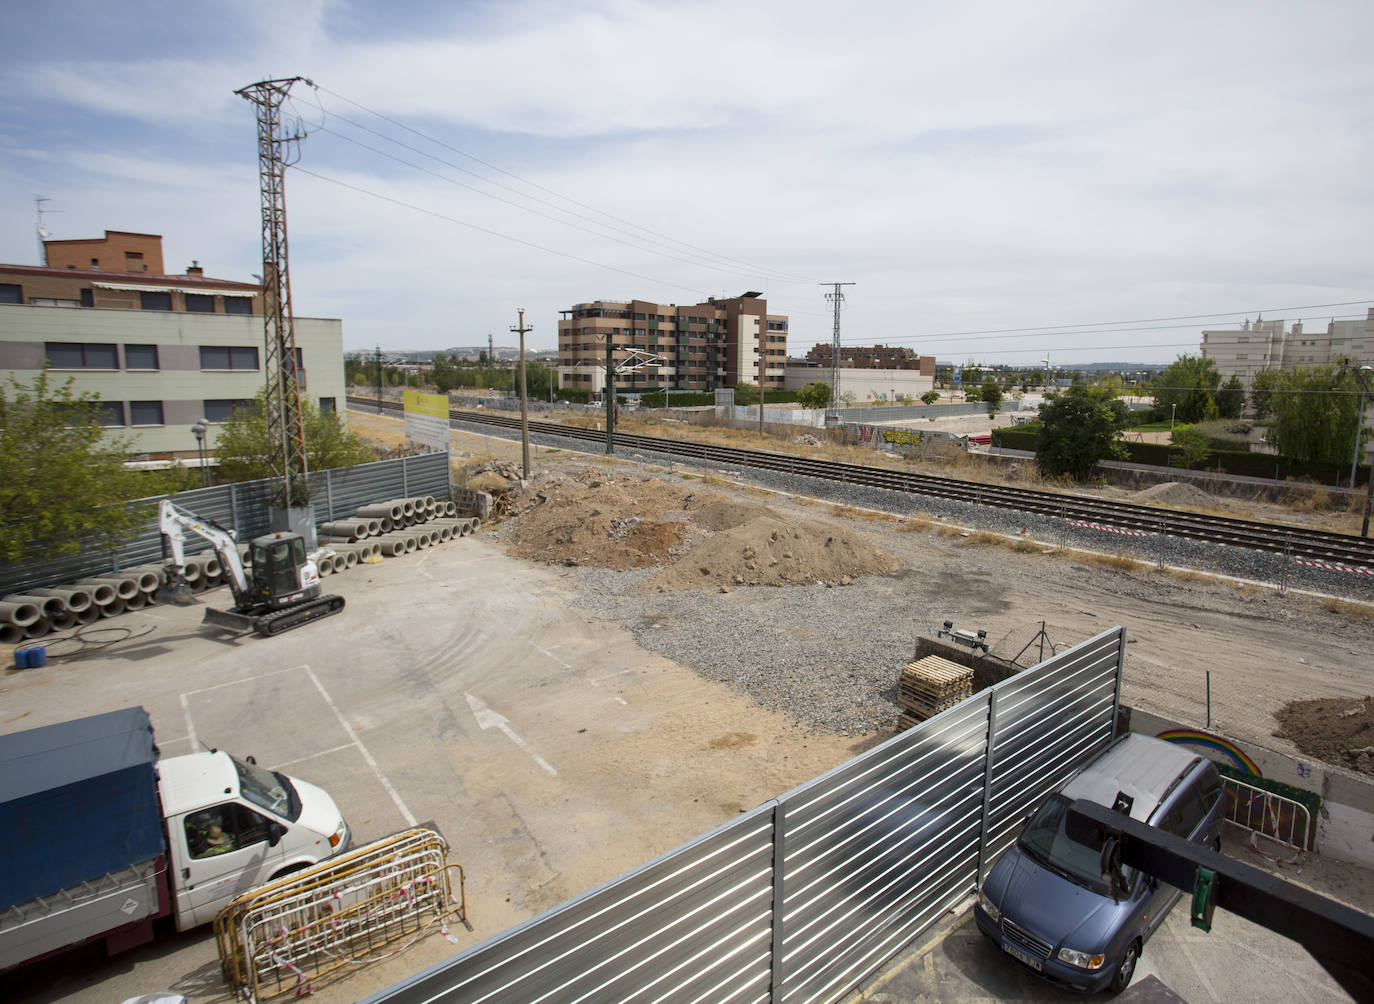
<point>394,528</point>
<point>35,613</point>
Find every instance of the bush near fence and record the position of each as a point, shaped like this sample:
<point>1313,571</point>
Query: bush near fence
<point>1255,465</point>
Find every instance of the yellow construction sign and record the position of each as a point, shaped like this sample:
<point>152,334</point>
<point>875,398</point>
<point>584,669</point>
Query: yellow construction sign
<point>427,419</point>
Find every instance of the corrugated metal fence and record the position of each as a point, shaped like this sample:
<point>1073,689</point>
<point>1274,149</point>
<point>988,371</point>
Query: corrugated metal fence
<point>244,508</point>
<point>804,897</point>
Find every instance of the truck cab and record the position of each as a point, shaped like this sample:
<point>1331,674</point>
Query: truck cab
<point>233,826</point>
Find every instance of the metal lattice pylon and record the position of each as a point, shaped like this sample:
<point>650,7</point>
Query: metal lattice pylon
<point>285,424</point>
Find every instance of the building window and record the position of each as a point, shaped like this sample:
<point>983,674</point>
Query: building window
<point>639,317</point>
<point>238,305</point>
<point>82,355</point>
<point>87,298</point>
<point>108,412</point>
<point>140,357</point>
<point>155,301</point>
<point>222,409</point>
<point>200,303</point>
<point>145,413</point>
<point>228,357</point>
<point>327,406</point>
<point>11,293</point>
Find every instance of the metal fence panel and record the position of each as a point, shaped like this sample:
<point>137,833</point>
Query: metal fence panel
<point>245,508</point>
<point>802,899</point>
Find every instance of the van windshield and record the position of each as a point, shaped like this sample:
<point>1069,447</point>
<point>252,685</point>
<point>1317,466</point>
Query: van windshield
<point>273,791</point>
<point>1045,840</point>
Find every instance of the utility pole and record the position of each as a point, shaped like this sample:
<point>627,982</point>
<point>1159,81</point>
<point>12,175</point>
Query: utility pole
<point>379,379</point>
<point>491,351</point>
<point>837,299</point>
<point>285,424</point>
<point>524,401</point>
<point>609,394</point>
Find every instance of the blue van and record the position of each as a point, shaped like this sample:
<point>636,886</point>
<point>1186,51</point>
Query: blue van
<point>1045,903</point>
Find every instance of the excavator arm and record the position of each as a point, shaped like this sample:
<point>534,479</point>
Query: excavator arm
<point>175,523</point>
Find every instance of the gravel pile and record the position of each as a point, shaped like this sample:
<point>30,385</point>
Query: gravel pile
<point>830,656</point>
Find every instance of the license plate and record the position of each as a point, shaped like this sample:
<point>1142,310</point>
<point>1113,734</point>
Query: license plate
<point>1021,956</point>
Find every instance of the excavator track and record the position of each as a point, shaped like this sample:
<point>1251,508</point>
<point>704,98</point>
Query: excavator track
<point>292,617</point>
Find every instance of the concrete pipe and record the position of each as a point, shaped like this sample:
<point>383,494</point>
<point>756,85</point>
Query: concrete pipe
<point>197,584</point>
<point>191,571</point>
<point>351,529</point>
<point>374,527</point>
<point>380,510</point>
<point>113,609</point>
<point>411,543</point>
<point>60,622</point>
<point>210,564</point>
<point>427,501</point>
<point>90,615</point>
<point>149,577</point>
<point>47,605</point>
<point>350,559</point>
<point>389,548</point>
<point>123,586</point>
<point>324,564</point>
<point>213,581</point>
<point>38,628</point>
<point>407,508</point>
<point>450,509</point>
<point>99,592</point>
<point>75,599</point>
<point>19,614</point>
<point>331,540</point>
<point>136,602</point>
<point>10,634</point>
<point>384,526</point>
<point>445,534</point>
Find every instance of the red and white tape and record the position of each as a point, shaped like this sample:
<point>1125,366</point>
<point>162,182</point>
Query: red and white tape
<point>1111,529</point>
<point>1335,568</point>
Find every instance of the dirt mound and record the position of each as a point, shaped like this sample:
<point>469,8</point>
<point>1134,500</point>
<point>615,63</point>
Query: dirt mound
<point>772,551</point>
<point>1335,730</point>
<point>699,537</point>
<point>1176,493</point>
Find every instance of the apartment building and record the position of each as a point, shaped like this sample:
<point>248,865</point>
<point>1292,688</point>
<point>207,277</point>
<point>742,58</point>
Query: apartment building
<point>163,352</point>
<point>872,357</point>
<point>1266,345</point>
<point>704,346</point>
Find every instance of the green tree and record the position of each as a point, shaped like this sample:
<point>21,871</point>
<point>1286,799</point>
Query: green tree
<point>1186,390</point>
<point>746,393</point>
<point>930,397</point>
<point>1079,427</point>
<point>62,476</point>
<point>246,454</point>
<point>1315,415</point>
<point>973,393</point>
<point>1262,387</point>
<point>814,395</point>
<point>992,395</point>
<point>1230,398</point>
<point>1192,444</point>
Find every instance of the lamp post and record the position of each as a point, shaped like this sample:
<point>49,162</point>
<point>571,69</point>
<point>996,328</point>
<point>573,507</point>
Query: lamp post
<point>1173,410</point>
<point>198,430</point>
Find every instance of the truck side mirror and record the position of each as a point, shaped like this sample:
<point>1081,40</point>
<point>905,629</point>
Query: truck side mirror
<point>275,831</point>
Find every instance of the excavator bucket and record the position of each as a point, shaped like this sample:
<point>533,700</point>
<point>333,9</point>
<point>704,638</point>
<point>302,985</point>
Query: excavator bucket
<point>175,590</point>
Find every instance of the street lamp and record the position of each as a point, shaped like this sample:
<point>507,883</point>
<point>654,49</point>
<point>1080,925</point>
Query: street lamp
<point>1173,410</point>
<point>199,431</point>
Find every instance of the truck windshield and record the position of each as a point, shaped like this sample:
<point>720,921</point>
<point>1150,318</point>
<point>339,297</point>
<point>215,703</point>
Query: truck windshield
<point>1045,840</point>
<point>273,791</point>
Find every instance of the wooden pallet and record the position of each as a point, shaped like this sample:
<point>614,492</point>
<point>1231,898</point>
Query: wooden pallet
<point>929,686</point>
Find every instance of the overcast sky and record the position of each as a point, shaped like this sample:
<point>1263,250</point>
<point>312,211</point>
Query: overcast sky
<point>972,167</point>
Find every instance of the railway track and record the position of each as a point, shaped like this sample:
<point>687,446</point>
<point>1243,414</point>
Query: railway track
<point>1319,547</point>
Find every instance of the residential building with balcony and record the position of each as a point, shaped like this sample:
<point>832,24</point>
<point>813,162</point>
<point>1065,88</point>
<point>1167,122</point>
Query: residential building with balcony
<point>162,351</point>
<point>1261,345</point>
<point>716,344</point>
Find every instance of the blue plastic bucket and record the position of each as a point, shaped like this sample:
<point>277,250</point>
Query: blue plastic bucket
<point>21,658</point>
<point>38,656</point>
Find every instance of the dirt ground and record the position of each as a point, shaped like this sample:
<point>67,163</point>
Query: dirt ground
<point>1333,731</point>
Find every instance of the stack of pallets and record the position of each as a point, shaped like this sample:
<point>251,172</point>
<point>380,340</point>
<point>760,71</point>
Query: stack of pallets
<point>928,687</point>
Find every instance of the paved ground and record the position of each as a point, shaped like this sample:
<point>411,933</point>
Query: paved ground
<point>456,687</point>
<point>1235,961</point>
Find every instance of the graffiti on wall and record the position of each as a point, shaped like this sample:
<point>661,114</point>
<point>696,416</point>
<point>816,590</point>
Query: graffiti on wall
<point>902,437</point>
<point>1218,744</point>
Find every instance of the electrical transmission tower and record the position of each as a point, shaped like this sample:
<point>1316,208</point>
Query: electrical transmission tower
<point>836,298</point>
<point>285,425</point>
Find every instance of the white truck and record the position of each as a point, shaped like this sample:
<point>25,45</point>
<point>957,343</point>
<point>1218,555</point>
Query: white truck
<point>100,838</point>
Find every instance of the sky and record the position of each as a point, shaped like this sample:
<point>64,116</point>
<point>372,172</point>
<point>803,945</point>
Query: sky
<point>1001,181</point>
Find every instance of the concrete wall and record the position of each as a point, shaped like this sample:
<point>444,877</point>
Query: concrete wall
<point>865,385</point>
<point>179,383</point>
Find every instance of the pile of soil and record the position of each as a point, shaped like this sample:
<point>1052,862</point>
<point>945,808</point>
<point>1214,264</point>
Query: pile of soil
<point>1176,493</point>
<point>699,538</point>
<point>1335,730</point>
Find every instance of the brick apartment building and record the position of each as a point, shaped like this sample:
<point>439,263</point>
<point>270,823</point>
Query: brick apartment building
<point>162,351</point>
<point>872,357</point>
<point>702,347</point>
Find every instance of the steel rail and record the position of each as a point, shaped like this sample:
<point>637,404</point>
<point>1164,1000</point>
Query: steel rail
<point>1321,546</point>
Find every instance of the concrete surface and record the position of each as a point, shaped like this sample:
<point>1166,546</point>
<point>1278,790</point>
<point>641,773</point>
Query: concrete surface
<point>458,686</point>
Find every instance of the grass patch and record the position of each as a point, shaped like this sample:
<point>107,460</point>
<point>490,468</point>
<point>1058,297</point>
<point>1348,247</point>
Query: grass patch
<point>867,515</point>
<point>1347,608</point>
<point>1117,561</point>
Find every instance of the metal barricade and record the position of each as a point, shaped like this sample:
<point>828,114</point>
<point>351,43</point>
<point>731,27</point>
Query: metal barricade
<point>342,912</point>
<point>1284,820</point>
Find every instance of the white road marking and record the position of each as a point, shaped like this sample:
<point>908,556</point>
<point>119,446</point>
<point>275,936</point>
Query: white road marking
<point>569,667</point>
<point>311,756</point>
<point>186,704</point>
<point>489,719</point>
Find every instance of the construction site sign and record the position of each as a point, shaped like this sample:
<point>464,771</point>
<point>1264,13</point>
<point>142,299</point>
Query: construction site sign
<point>427,419</point>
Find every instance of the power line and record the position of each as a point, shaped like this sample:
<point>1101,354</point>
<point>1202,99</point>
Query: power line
<point>463,153</point>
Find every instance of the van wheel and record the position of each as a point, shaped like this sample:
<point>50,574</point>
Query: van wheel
<point>1126,970</point>
<point>287,871</point>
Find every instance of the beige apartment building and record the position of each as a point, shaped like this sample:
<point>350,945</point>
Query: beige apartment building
<point>163,351</point>
<point>716,344</point>
<point>1264,344</point>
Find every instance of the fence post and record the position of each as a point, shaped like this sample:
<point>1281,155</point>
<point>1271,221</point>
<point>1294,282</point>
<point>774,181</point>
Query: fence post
<point>1283,572</point>
<point>234,509</point>
<point>777,977</point>
<point>1120,672</point>
<point>329,492</point>
<point>983,823</point>
<point>1161,543</point>
<point>405,478</point>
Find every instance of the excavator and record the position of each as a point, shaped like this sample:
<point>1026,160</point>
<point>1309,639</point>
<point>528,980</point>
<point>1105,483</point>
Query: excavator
<point>283,593</point>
